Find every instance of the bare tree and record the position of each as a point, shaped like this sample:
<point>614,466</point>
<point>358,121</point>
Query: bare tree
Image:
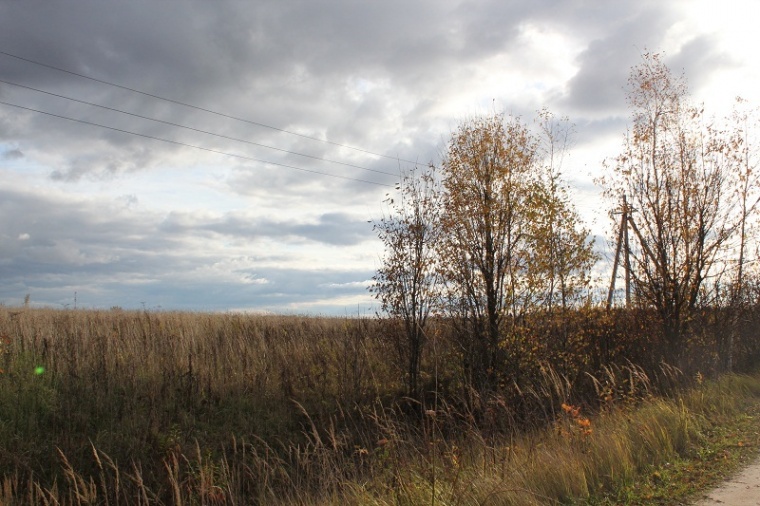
<point>743,126</point>
<point>562,255</point>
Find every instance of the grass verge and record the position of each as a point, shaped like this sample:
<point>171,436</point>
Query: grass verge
<point>727,414</point>
<point>661,451</point>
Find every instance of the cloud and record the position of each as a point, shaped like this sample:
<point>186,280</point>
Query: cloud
<point>698,59</point>
<point>599,86</point>
<point>337,229</point>
<point>125,218</point>
<point>13,154</point>
<point>125,256</point>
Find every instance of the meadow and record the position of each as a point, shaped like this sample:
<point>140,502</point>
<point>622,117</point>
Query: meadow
<point>138,407</point>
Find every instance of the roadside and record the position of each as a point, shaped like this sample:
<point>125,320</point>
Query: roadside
<point>721,465</point>
<point>741,490</point>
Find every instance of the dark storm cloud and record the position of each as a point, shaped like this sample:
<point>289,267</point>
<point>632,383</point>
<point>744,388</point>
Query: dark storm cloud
<point>160,46</point>
<point>294,65</point>
<point>216,54</point>
<point>283,63</point>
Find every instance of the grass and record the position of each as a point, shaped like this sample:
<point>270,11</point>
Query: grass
<point>728,415</point>
<point>661,451</point>
<point>186,408</point>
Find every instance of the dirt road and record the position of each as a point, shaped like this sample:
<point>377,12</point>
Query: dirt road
<point>741,490</point>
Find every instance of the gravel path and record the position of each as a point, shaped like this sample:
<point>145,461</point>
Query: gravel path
<point>741,490</point>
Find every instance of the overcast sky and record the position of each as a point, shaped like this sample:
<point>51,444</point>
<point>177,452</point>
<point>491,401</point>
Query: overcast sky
<point>129,220</point>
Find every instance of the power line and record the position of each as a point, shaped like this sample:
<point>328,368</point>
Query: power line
<point>210,150</point>
<point>196,129</point>
<point>184,104</point>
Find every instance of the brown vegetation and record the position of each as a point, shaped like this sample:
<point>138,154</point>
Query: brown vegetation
<point>107,407</point>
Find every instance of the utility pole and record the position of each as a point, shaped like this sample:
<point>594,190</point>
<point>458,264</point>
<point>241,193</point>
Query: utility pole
<point>622,241</point>
<point>627,218</point>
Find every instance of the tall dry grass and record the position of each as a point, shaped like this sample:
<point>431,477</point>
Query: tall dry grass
<point>142,386</point>
<point>120,407</point>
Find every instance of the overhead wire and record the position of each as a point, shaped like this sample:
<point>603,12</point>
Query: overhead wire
<point>210,111</point>
<point>179,143</point>
<point>170,123</point>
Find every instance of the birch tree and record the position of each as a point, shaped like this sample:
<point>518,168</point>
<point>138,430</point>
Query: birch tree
<point>511,242</point>
<point>407,282</point>
<point>678,172</point>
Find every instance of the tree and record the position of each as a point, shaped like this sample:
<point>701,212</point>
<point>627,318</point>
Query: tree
<point>486,176</point>
<point>678,174</point>
<point>744,124</point>
<point>562,255</point>
<point>494,239</point>
<point>512,242</point>
<point>407,282</point>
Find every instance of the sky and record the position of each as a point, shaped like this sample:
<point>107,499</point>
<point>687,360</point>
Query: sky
<point>253,187</point>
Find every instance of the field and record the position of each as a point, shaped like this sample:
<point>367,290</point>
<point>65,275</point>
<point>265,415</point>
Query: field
<point>121,407</point>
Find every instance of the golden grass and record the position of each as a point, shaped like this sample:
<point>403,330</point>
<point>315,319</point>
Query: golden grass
<point>560,467</point>
<point>193,408</point>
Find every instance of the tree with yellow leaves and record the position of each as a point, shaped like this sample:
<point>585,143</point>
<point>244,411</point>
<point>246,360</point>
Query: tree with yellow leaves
<point>511,242</point>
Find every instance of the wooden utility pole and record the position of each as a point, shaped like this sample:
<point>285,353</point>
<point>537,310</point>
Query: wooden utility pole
<point>627,214</point>
<point>622,241</point>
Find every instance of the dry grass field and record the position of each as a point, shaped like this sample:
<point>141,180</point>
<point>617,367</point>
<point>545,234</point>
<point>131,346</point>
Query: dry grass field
<point>120,407</point>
